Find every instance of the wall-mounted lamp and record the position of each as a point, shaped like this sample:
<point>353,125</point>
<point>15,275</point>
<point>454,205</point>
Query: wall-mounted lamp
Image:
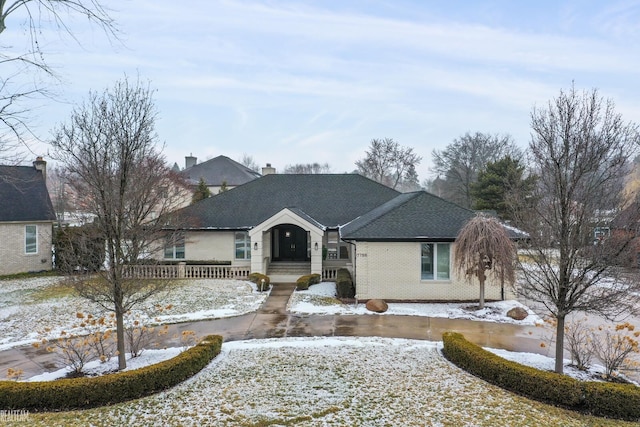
<point>255,246</point>
<point>315,246</point>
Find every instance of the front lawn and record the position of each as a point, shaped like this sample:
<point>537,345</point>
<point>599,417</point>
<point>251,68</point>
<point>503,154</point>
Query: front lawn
<point>29,306</point>
<point>329,382</point>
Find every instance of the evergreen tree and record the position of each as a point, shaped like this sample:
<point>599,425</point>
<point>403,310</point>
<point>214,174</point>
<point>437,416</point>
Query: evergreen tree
<point>202,191</point>
<point>503,187</point>
<point>223,187</point>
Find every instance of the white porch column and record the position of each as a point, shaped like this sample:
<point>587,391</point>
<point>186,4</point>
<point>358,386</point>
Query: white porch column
<point>316,252</point>
<point>257,254</point>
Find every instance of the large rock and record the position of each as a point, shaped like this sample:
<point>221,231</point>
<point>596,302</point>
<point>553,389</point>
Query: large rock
<point>517,313</point>
<point>377,305</point>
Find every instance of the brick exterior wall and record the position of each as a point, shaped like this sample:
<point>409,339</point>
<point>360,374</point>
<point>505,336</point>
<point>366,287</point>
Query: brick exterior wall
<point>13,258</point>
<point>391,270</point>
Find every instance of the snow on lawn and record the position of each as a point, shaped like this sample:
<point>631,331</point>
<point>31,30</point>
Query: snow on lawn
<point>327,381</point>
<point>95,368</point>
<point>28,306</point>
<point>321,299</point>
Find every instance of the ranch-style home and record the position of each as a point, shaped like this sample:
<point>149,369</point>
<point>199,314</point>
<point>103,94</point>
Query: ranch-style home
<point>398,246</point>
<point>26,219</point>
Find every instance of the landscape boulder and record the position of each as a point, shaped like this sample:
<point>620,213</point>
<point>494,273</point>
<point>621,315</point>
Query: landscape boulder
<point>377,305</point>
<point>517,313</point>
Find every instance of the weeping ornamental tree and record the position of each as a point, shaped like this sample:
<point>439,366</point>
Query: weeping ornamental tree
<point>482,245</point>
<point>580,150</point>
<point>109,150</point>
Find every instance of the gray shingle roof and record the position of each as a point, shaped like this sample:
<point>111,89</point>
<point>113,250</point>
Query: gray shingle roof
<point>331,200</point>
<point>24,195</point>
<point>218,170</point>
<point>410,216</point>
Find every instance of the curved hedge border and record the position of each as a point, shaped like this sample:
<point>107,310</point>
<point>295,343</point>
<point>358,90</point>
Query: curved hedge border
<point>610,400</point>
<point>82,393</point>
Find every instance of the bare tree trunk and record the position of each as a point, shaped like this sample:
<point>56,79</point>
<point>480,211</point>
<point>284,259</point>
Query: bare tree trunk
<point>122,360</point>
<point>482,277</point>
<point>560,344</point>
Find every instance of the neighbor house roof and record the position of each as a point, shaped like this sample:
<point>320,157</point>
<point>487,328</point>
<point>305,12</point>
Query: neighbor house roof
<point>23,195</point>
<point>331,200</point>
<point>218,170</point>
<point>410,216</point>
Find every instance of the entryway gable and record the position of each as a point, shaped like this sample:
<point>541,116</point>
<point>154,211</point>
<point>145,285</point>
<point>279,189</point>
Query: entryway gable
<point>289,216</point>
<point>261,238</point>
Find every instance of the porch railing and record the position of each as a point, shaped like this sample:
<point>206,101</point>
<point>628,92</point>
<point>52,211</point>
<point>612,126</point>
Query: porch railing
<point>329,274</point>
<point>182,271</point>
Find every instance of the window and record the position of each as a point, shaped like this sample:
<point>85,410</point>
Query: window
<point>435,260</point>
<point>31,239</point>
<point>243,245</point>
<point>174,248</point>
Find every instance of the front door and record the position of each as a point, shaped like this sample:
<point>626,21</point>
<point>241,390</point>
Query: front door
<point>291,243</point>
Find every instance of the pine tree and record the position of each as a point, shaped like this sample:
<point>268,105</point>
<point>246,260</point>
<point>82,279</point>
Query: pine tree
<point>500,187</point>
<point>223,187</point>
<point>202,191</point>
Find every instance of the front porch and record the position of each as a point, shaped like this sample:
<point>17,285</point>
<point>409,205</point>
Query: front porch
<point>289,271</point>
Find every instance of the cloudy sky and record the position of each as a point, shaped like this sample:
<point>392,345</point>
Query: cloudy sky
<point>314,81</point>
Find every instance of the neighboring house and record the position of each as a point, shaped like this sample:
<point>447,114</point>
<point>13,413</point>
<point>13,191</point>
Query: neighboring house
<point>397,246</point>
<point>26,219</point>
<point>217,172</point>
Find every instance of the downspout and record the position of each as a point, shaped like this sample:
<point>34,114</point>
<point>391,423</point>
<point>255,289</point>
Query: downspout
<point>354,262</point>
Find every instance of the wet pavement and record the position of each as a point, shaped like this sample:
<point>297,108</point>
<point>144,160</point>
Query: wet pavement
<point>273,320</point>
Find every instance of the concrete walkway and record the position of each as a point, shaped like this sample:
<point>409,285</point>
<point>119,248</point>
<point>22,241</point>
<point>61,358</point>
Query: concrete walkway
<point>273,321</point>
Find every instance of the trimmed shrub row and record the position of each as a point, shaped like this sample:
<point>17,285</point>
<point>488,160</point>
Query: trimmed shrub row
<point>82,393</point>
<point>303,282</point>
<point>610,400</point>
<point>258,278</point>
<point>344,284</point>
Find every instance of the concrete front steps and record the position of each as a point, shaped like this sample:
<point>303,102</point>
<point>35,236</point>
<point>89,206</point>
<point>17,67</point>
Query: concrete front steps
<point>287,272</point>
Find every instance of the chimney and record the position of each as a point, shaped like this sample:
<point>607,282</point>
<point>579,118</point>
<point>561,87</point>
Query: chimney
<point>190,161</point>
<point>41,166</point>
<point>268,170</point>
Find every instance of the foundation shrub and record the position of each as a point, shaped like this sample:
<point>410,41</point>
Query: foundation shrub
<point>80,393</point>
<point>344,284</point>
<point>303,282</point>
<point>598,398</point>
<point>257,279</point>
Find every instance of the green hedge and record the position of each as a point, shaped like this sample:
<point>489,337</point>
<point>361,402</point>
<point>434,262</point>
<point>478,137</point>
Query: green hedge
<point>303,282</point>
<point>344,284</point>
<point>598,398</point>
<point>257,278</point>
<point>81,393</point>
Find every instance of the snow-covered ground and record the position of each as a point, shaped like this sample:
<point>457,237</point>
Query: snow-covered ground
<point>320,299</point>
<point>31,309</point>
<point>95,367</point>
<point>328,382</point>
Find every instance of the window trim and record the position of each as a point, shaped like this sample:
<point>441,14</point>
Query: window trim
<point>26,236</point>
<point>435,246</point>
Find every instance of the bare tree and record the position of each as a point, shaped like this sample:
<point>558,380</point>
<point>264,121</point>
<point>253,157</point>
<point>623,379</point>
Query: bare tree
<point>109,151</point>
<point>15,92</point>
<point>388,163</point>
<point>580,148</point>
<point>249,162</point>
<point>483,244</point>
<point>461,161</point>
<point>307,168</point>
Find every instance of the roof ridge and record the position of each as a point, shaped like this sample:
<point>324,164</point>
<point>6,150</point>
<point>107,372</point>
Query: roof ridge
<point>384,209</point>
